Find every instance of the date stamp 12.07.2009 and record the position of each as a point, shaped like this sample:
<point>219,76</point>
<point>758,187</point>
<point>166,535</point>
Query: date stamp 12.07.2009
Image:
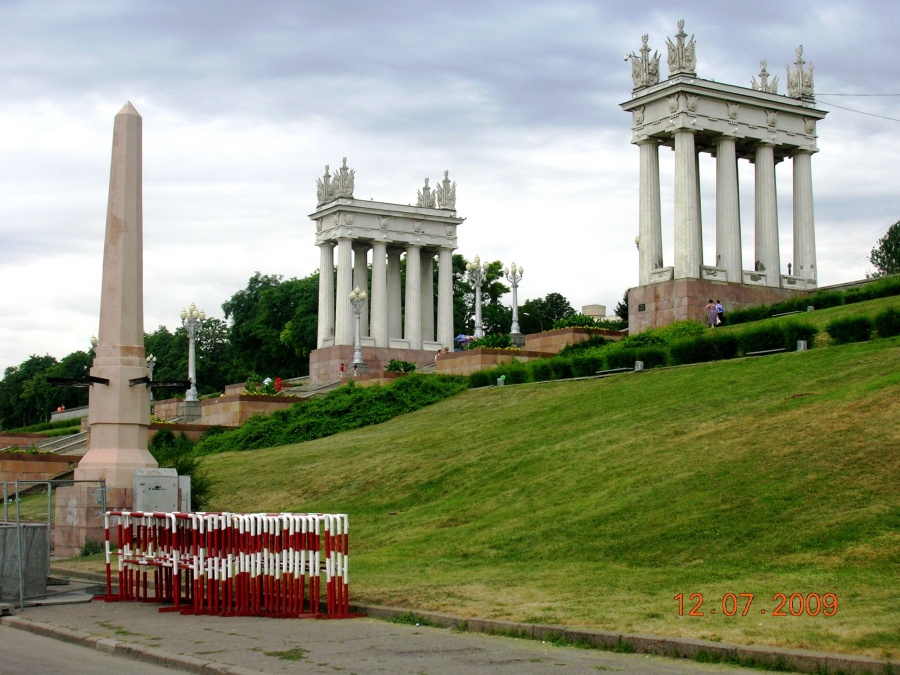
<point>783,604</point>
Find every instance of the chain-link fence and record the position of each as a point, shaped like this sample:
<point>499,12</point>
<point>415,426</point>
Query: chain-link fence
<point>43,521</point>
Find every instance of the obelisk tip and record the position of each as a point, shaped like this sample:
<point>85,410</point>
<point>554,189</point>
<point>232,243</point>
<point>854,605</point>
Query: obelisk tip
<point>128,109</point>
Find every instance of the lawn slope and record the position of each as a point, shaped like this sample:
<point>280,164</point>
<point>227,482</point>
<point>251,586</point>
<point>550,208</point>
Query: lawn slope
<point>594,502</point>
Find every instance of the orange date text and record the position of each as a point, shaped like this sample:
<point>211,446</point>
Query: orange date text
<point>783,604</point>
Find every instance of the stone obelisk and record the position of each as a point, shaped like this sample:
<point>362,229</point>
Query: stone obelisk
<point>119,412</point>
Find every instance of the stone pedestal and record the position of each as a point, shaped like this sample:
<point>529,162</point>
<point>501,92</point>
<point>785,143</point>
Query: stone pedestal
<point>190,411</point>
<point>657,305</point>
<point>78,516</point>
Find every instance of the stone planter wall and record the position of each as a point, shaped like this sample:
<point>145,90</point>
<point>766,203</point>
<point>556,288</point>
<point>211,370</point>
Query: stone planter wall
<point>230,410</point>
<point>25,466</point>
<point>553,341</point>
<point>473,360</point>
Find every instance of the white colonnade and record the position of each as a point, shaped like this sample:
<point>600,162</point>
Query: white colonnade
<point>377,236</point>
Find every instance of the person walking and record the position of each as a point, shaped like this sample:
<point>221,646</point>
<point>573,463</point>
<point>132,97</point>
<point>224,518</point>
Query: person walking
<point>712,314</point>
<point>720,313</point>
<point>341,370</point>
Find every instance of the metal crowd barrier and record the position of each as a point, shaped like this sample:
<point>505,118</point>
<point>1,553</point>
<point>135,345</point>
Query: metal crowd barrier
<point>231,564</point>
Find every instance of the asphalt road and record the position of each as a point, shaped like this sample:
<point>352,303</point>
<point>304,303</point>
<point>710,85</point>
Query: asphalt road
<point>23,652</point>
<point>361,645</point>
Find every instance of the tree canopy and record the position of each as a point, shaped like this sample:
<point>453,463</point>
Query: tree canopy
<point>885,257</point>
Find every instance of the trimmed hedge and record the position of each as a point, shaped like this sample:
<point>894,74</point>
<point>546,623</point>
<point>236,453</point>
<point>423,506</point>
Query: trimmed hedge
<point>761,338</point>
<point>850,329</point>
<point>795,331</point>
<point>713,346</point>
<point>887,323</point>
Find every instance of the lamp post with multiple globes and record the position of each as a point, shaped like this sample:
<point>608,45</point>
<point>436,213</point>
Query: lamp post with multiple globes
<point>513,275</point>
<point>357,299</point>
<point>192,319</point>
<point>477,274</point>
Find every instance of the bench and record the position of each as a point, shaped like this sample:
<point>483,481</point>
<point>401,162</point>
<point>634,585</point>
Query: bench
<point>765,352</point>
<point>613,371</point>
<point>785,314</point>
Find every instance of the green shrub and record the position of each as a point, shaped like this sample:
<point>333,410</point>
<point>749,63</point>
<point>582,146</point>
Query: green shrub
<point>825,299</point>
<point>593,342</point>
<point>562,368</point>
<point>516,373</point>
<point>495,341</point>
<point>541,370</point>
<point>91,547</point>
<point>480,378</point>
<point>575,321</point>
<point>850,329</point>
<point>622,357</point>
<point>585,365</point>
<point>794,331</point>
<point>746,315</point>
<point>400,366</point>
<point>761,338</point>
<point>691,350</point>
<point>680,329</point>
<point>176,452</point>
<point>653,357</point>
<point>887,323</point>
<point>347,407</point>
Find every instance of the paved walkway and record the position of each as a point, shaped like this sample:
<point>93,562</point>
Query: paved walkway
<point>258,645</point>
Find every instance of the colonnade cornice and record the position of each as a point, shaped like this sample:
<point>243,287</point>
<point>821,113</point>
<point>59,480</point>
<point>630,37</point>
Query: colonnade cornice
<point>407,211</point>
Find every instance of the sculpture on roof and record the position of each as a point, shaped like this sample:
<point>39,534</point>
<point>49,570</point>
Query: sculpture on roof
<point>764,84</point>
<point>800,80</point>
<point>426,197</point>
<point>324,192</point>
<point>446,193</point>
<point>644,68</point>
<point>682,55</point>
<point>343,182</point>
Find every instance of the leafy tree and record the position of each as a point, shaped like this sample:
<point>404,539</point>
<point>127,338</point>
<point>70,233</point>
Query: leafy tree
<point>621,309</point>
<point>25,394</point>
<point>495,317</point>
<point>540,314</point>
<point>260,316</point>
<point>886,254</point>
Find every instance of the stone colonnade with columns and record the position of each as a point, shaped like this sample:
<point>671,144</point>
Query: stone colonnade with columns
<point>693,116</point>
<point>408,323</point>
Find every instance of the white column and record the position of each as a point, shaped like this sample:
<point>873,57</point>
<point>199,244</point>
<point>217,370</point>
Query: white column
<point>379,329</point>
<point>427,272</point>
<point>649,214</point>
<point>412,313</point>
<point>361,281</point>
<point>445,298</point>
<point>804,221</point>
<point>326,291</point>
<point>766,200</point>
<point>728,210</point>
<point>343,320</point>
<point>687,207</point>
<point>395,307</point>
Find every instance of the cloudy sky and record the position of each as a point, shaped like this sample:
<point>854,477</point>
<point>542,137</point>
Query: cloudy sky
<point>244,103</point>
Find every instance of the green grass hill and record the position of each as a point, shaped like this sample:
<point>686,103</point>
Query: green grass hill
<point>594,502</point>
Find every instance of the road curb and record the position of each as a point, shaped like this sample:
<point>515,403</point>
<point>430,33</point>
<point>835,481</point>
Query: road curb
<point>754,656</point>
<point>130,650</point>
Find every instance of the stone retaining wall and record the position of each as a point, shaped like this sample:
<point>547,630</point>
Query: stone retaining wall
<point>553,341</point>
<point>472,360</point>
<point>26,466</point>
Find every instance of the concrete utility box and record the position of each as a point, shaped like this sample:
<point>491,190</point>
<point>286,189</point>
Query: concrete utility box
<point>35,564</point>
<point>155,490</point>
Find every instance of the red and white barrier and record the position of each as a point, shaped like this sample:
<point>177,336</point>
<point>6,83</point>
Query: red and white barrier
<point>231,564</point>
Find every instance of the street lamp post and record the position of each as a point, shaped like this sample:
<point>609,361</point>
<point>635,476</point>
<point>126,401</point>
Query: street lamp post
<point>477,273</point>
<point>192,319</point>
<point>357,299</point>
<point>513,275</point>
<point>151,364</point>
